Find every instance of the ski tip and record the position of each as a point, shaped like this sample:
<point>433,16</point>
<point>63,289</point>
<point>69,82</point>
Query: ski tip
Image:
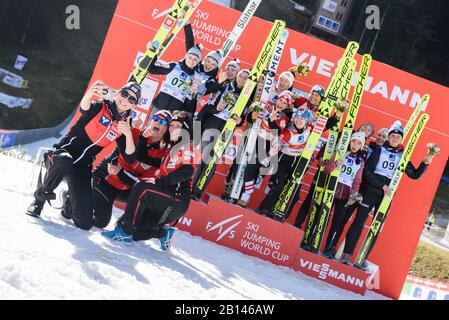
<point>367,57</point>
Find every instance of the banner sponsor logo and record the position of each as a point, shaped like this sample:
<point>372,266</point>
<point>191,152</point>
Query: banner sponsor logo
<point>14,102</point>
<point>20,62</point>
<point>325,270</point>
<point>252,235</point>
<point>12,79</point>
<point>335,273</point>
<point>220,227</point>
<point>416,288</point>
<point>105,121</point>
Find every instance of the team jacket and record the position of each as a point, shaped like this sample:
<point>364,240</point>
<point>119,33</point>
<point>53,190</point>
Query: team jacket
<point>209,115</point>
<point>143,163</point>
<point>351,174</point>
<point>381,165</point>
<point>208,82</point>
<point>175,93</point>
<point>293,141</point>
<point>177,168</point>
<point>94,130</point>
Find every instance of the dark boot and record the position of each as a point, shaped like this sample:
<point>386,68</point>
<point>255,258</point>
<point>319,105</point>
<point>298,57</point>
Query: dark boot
<point>35,208</point>
<point>345,258</point>
<point>328,253</point>
<point>66,211</point>
<point>40,196</point>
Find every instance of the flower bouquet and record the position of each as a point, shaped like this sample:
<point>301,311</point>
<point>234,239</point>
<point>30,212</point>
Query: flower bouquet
<point>301,70</point>
<point>433,149</point>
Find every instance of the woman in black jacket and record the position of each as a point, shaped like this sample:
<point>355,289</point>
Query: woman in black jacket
<point>377,175</point>
<point>213,117</point>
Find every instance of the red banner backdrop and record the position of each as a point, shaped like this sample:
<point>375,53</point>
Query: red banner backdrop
<point>390,95</point>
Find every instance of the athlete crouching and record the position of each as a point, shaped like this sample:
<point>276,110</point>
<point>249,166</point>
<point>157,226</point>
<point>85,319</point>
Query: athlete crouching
<point>101,123</point>
<point>155,202</point>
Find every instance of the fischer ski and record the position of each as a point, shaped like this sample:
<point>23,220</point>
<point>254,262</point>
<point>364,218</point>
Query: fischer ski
<point>253,129</point>
<point>322,178</point>
<point>332,181</point>
<point>412,120</point>
<point>289,190</point>
<point>226,134</point>
<point>174,21</point>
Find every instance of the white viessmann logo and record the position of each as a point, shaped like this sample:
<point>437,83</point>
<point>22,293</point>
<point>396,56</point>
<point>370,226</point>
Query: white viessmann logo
<point>324,271</point>
<point>221,225</point>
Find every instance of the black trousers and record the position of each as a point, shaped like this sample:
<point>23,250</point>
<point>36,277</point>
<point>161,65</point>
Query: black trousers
<point>304,210</point>
<point>204,144</point>
<point>370,201</point>
<point>339,219</point>
<point>149,208</point>
<point>104,196</point>
<point>207,122</point>
<point>60,166</point>
<point>284,171</point>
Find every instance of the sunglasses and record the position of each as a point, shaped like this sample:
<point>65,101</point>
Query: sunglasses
<point>125,94</point>
<point>161,120</point>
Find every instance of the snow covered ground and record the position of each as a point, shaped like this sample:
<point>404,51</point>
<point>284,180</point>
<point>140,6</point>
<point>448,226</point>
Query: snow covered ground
<point>49,258</point>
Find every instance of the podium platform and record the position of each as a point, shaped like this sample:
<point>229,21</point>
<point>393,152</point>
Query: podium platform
<point>255,235</point>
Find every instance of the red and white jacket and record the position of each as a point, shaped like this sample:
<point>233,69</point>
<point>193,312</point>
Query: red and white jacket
<point>177,168</point>
<point>292,142</point>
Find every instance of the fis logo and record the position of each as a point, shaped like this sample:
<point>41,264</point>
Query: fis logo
<point>350,162</point>
<point>301,139</point>
<point>225,227</point>
<point>105,121</point>
<point>392,157</point>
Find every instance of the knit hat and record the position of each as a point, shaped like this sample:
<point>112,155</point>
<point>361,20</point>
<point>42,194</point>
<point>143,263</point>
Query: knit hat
<point>287,96</point>
<point>370,126</point>
<point>359,136</point>
<point>289,76</point>
<point>135,88</point>
<point>247,71</point>
<point>305,113</point>
<point>383,130</point>
<point>216,55</point>
<point>319,89</point>
<point>234,63</point>
<point>183,118</point>
<point>196,51</point>
<point>396,128</point>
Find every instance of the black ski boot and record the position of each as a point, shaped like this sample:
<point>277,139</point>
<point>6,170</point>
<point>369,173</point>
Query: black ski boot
<point>35,209</point>
<point>345,258</point>
<point>40,196</point>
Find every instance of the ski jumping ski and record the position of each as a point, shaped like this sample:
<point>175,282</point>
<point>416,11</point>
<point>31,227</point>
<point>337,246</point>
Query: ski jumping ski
<point>332,181</point>
<point>291,187</point>
<point>382,212</point>
<point>226,134</point>
<point>253,129</point>
<point>180,13</point>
